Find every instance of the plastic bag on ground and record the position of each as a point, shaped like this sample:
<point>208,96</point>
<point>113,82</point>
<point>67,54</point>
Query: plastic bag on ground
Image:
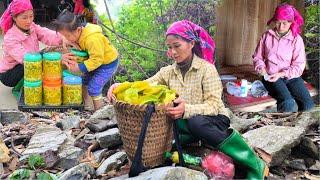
<point>233,89</point>
<point>258,90</point>
<point>219,165</point>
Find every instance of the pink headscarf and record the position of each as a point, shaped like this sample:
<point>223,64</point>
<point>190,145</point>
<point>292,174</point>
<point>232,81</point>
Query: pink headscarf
<point>289,13</point>
<point>191,31</point>
<point>15,7</point>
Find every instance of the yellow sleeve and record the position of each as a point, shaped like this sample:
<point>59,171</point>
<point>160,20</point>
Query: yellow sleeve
<point>95,47</point>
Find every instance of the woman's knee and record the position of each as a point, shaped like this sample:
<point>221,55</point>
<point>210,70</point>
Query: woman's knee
<point>195,124</point>
<point>287,105</point>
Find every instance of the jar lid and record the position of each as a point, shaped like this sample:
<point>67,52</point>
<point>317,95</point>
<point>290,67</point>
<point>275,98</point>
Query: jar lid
<point>32,83</point>
<point>66,73</point>
<point>72,80</point>
<point>32,57</point>
<point>79,53</point>
<point>53,82</point>
<point>52,56</point>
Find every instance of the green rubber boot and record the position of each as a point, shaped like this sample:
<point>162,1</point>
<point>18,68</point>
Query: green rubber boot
<point>235,147</point>
<point>16,90</point>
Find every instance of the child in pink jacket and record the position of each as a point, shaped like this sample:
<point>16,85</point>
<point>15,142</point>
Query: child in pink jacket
<point>280,58</point>
<point>21,36</point>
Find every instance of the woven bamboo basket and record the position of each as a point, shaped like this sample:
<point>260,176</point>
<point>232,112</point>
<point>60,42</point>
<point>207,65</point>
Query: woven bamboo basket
<point>158,137</point>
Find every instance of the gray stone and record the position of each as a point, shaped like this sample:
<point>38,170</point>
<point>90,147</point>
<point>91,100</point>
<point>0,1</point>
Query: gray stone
<point>106,112</point>
<point>69,122</point>
<point>109,138</point>
<point>111,163</point>
<point>309,148</point>
<point>78,172</point>
<point>164,173</point>
<point>98,125</point>
<point>306,119</point>
<point>99,154</point>
<point>46,138</point>
<point>315,167</point>
<point>11,116</point>
<point>69,154</point>
<point>241,124</point>
<point>275,140</point>
<point>89,138</point>
<point>297,164</point>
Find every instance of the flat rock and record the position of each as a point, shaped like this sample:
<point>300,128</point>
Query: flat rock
<point>46,138</point>
<point>69,122</point>
<point>165,173</point>
<point>109,138</point>
<point>111,163</point>
<point>11,116</point>
<point>78,172</point>
<point>98,125</point>
<point>106,112</point>
<point>69,154</point>
<point>275,140</point>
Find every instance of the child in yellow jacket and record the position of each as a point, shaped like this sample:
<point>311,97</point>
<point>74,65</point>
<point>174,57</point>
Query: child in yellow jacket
<point>103,57</point>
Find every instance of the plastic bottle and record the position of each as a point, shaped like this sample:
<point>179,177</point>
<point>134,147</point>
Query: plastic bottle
<point>244,88</point>
<point>32,67</point>
<point>72,90</point>
<point>188,159</point>
<point>52,91</point>
<point>32,93</point>
<point>81,55</point>
<point>52,67</point>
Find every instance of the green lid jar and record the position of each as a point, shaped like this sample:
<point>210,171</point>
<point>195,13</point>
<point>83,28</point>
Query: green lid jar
<point>52,67</point>
<point>72,90</point>
<point>81,55</point>
<point>32,57</point>
<point>32,66</point>
<point>32,93</point>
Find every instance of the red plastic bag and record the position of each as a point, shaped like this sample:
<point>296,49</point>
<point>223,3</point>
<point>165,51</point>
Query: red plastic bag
<point>218,165</point>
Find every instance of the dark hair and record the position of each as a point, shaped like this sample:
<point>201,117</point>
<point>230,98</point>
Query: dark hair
<point>196,48</point>
<point>68,21</point>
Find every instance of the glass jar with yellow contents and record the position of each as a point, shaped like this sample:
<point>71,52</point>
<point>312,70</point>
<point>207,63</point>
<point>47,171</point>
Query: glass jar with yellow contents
<point>52,67</point>
<point>32,66</point>
<point>52,91</point>
<point>72,90</point>
<point>81,55</point>
<point>32,93</point>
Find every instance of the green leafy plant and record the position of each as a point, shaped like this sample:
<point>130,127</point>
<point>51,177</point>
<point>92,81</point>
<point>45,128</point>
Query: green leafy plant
<point>20,174</point>
<point>36,161</point>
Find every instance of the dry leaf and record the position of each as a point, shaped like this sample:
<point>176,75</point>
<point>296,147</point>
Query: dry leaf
<point>311,176</point>
<point>13,164</point>
<point>4,152</point>
<point>264,155</point>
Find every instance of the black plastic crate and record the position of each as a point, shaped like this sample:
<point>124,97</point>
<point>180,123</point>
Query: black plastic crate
<point>61,108</point>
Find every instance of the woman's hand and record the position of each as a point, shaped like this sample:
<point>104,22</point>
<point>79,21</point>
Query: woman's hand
<point>262,71</point>
<point>110,95</point>
<point>275,77</point>
<point>178,111</point>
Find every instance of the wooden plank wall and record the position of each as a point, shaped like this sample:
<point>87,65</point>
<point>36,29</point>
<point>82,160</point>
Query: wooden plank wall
<point>240,24</point>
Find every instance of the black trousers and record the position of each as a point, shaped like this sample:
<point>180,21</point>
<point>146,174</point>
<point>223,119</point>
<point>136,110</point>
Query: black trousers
<point>212,129</point>
<point>12,76</point>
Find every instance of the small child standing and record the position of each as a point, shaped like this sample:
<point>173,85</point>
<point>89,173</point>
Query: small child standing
<point>103,57</point>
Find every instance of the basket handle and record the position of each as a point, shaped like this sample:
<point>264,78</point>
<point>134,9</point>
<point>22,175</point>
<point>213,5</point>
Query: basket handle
<point>177,140</point>
<point>137,167</point>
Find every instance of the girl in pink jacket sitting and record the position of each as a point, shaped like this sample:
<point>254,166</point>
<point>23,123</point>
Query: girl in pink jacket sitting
<point>21,36</point>
<point>280,58</point>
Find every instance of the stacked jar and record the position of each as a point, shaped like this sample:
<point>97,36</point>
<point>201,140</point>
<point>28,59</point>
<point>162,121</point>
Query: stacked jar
<point>32,79</point>
<point>72,90</point>
<point>52,71</point>
<point>81,55</point>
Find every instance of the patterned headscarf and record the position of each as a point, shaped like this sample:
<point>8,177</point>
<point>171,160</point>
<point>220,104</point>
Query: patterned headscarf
<point>289,13</point>
<point>15,7</point>
<point>191,31</point>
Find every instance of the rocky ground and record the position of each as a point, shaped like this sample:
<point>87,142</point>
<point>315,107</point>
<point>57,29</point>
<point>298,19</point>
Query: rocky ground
<point>82,145</point>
